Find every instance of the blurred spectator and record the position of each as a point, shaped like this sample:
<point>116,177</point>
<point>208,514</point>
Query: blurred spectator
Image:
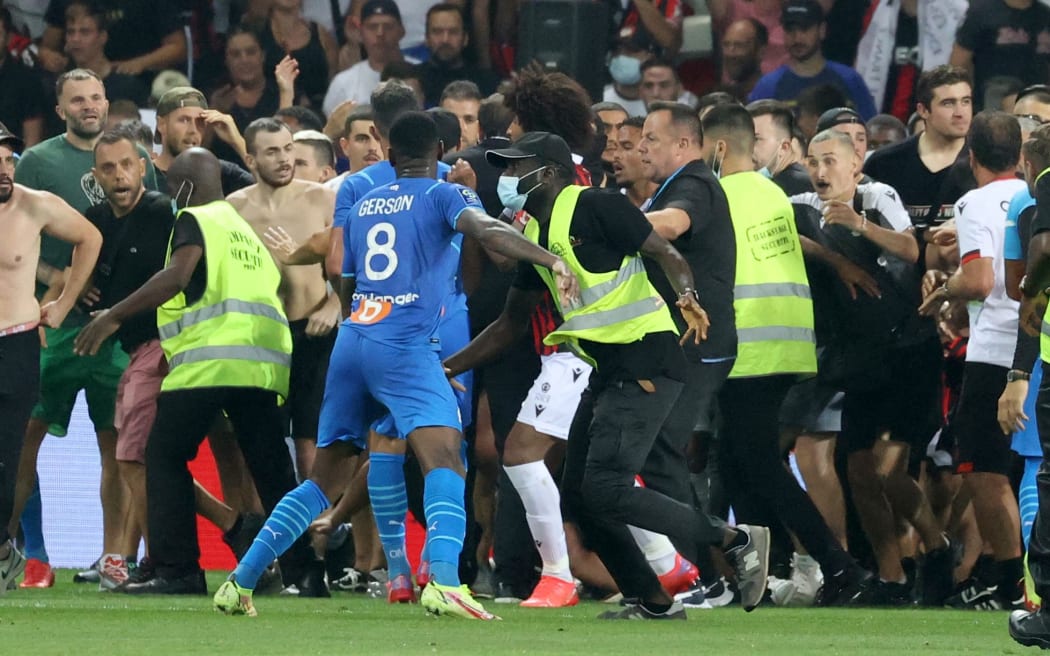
<point>813,102</point>
<point>121,111</point>
<point>463,99</point>
<point>143,36</point>
<point>141,132</point>
<point>885,130</point>
<point>381,32</point>
<point>22,103</point>
<point>804,27</point>
<point>774,155</point>
<point>250,93</point>
<point>743,45</point>
<point>1003,38</point>
<point>413,45</point>
<point>406,72</point>
<point>625,69</point>
<point>1033,102</point>
<point>448,129</point>
<point>652,25</point>
<point>86,38</point>
<point>299,118</point>
<point>446,38</point>
<point>28,16</point>
<point>766,12</point>
<point>314,156</point>
<point>288,32</point>
<point>660,82</point>
<point>358,143</point>
<point>711,100</point>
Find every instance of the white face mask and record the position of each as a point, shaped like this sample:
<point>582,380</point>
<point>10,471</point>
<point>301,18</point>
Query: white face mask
<point>507,189</point>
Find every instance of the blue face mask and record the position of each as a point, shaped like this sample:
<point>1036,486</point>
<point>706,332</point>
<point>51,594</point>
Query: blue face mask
<point>174,199</point>
<point>507,189</point>
<point>625,69</point>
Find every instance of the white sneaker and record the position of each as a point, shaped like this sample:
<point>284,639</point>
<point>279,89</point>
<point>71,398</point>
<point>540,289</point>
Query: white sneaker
<point>782,591</point>
<point>11,567</point>
<point>806,580</point>
<point>113,572</point>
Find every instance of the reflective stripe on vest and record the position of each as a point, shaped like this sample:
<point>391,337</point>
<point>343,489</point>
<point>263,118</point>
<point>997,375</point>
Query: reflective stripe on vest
<point>770,333</point>
<point>252,353</point>
<point>616,315</point>
<point>766,289</point>
<point>592,295</point>
<point>172,329</point>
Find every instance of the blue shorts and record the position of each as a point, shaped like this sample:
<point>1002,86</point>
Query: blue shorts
<point>1026,442</point>
<point>367,379</point>
<point>454,331</point>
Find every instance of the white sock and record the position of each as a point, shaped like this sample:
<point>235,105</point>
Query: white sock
<point>657,548</point>
<point>539,495</point>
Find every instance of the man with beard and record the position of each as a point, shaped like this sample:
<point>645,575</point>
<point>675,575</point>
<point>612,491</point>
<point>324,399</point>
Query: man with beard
<point>774,155</point>
<point>743,44</point>
<point>446,38</point>
<point>182,119</point>
<point>628,169</point>
<point>303,208</point>
<point>27,215</point>
<point>62,165</point>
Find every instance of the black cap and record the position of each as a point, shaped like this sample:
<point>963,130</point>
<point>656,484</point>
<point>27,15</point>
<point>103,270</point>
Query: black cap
<point>9,138</point>
<point>838,116</point>
<point>380,8</point>
<point>544,145</point>
<point>801,13</point>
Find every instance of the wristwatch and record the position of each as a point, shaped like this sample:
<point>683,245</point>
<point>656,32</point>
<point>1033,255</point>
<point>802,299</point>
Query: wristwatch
<point>1015,375</point>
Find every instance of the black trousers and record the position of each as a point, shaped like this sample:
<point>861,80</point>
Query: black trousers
<point>183,419</point>
<point>19,388</point>
<point>666,469</point>
<point>1039,543</point>
<point>612,435</point>
<point>754,474</point>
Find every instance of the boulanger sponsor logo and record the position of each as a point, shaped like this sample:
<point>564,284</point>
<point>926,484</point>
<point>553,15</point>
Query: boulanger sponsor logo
<point>373,308</point>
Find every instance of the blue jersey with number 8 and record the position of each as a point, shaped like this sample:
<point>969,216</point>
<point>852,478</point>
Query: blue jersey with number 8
<point>400,245</point>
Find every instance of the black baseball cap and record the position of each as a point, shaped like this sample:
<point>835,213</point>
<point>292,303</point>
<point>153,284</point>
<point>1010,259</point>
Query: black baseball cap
<point>838,116</point>
<point>544,145</point>
<point>380,8</point>
<point>9,138</point>
<point>801,13</point>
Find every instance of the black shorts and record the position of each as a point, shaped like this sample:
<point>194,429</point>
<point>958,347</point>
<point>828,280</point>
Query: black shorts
<point>907,407</point>
<point>982,445</point>
<point>19,387</point>
<point>306,381</point>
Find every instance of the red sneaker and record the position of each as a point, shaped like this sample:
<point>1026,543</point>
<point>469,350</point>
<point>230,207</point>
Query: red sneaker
<point>552,592</point>
<point>423,574</point>
<point>38,575</point>
<point>681,577</point>
<point>399,590</point>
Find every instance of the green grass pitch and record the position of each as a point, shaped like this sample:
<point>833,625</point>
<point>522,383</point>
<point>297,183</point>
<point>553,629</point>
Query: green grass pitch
<point>80,621</point>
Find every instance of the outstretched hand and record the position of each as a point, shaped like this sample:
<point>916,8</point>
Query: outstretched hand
<point>695,317</point>
<point>568,285</point>
<point>281,243</point>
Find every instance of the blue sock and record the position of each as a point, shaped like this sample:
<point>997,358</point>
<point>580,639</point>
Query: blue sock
<point>446,523</point>
<point>33,525</point>
<point>1028,497</point>
<point>289,519</point>
<point>386,489</point>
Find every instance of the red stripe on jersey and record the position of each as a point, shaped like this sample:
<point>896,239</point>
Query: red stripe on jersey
<point>970,257</point>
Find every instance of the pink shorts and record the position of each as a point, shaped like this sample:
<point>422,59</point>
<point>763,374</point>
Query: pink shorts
<point>137,400</point>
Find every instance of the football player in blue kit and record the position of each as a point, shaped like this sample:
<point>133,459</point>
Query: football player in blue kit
<point>399,265</point>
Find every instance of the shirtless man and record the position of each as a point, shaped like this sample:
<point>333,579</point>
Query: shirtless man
<point>24,215</point>
<point>304,208</point>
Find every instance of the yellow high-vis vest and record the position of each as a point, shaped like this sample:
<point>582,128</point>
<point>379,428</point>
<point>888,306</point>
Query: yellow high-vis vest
<point>236,334</point>
<point>615,307</point>
<point>772,301</point>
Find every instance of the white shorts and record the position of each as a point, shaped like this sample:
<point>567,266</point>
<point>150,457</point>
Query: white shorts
<point>552,401</point>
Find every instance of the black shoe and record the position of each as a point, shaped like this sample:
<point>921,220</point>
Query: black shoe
<point>885,594</point>
<point>842,588</point>
<point>143,572</point>
<point>506,594</point>
<point>934,582</point>
<point>972,594</point>
<point>640,612</point>
<point>239,539</point>
<point>89,575</point>
<point>1031,629</point>
<point>312,583</point>
<point>187,584</point>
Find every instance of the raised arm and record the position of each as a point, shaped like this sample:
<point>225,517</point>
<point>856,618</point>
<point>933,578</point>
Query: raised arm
<point>499,335</point>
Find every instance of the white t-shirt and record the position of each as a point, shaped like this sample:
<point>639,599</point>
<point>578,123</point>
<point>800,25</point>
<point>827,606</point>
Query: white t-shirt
<point>320,12</point>
<point>980,217</point>
<point>355,83</point>
<point>634,107</point>
<point>880,199</point>
<point>336,182</point>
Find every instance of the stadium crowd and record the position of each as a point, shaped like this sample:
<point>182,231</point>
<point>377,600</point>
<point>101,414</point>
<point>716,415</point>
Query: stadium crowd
<point>758,327</point>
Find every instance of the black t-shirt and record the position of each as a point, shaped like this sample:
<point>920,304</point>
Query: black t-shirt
<point>1006,42</point>
<point>900,167</point>
<point>134,248</point>
<point>135,27</point>
<point>187,232</point>
<point>437,75</point>
<point>605,228</point>
<point>234,178</point>
<point>1041,220</point>
<point>794,179</point>
<point>709,246</point>
<point>23,96</point>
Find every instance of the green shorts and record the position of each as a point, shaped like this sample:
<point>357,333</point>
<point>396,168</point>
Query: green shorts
<point>63,374</point>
